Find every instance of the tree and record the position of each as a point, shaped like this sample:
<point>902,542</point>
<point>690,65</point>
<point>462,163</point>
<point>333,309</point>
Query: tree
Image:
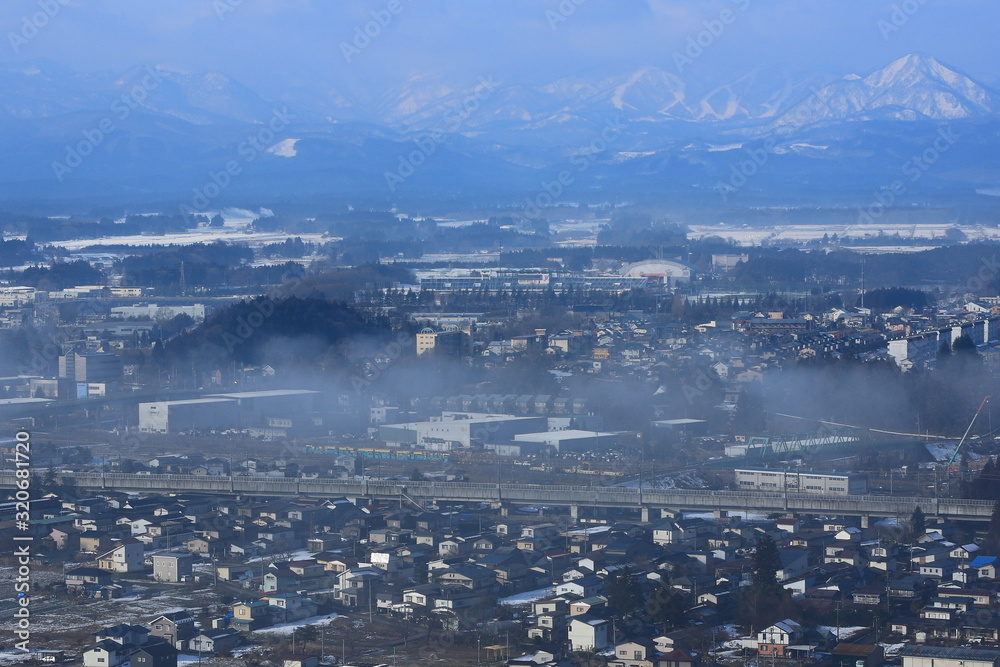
<point>217,221</point>
<point>624,596</point>
<point>964,345</point>
<point>984,485</point>
<point>766,563</point>
<point>48,483</point>
<point>992,541</point>
<point>666,605</point>
<point>918,522</point>
<point>416,475</point>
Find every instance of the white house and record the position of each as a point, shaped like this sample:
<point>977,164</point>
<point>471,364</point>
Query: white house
<point>124,556</point>
<point>589,633</point>
<point>775,640</point>
<point>106,653</point>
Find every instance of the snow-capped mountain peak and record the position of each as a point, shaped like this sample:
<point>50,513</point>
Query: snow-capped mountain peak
<point>910,87</point>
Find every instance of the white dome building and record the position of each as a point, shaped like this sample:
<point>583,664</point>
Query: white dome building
<point>668,271</point>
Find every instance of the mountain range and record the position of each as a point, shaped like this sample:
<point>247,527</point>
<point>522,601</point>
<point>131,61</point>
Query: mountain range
<point>155,135</point>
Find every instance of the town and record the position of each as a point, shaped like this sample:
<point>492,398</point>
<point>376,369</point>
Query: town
<point>549,333</point>
<point>607,460</point>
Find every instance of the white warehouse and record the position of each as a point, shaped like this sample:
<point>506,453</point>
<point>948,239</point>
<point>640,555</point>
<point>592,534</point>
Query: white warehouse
<point>224,411</point>
<point>801,481</point>
<point>459,430</point>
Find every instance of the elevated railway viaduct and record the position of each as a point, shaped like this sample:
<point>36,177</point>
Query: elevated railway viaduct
<point>646,501</point>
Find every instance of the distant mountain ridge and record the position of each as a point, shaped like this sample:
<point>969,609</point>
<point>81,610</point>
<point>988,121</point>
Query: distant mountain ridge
<point>911,87</point>
<point>496,139</point>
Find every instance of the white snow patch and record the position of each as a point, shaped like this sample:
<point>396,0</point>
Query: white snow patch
<point>284,148</point>
<point>941,451</point>
<point>288,628</point>
<point>525,598</point>
<point>844,632</point>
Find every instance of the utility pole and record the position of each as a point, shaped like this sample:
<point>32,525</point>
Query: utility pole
<point>642,464</point>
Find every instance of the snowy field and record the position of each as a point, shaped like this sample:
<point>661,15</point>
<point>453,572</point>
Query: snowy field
<point>751,236</point>
<point>289,628</point>
<point>199,235</point>
<point>234,230</point>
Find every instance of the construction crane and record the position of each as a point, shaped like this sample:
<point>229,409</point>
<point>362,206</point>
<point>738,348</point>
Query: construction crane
<point>966,435</point>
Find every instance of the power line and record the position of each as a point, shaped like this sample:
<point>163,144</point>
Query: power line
<point>873,430</point>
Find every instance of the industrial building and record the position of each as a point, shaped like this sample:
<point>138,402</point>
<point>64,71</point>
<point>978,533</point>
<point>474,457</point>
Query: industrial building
<point>572,440</point>
<point>452,341</point>
<point>195,414</point>
<point>459,429</point>
<point>801,481</point>
<point>257,406</point>
<point>539,280</point>
<point>90,367</point>
<point>153,311</point>
<point>224,411</point>
<point>918,655</point>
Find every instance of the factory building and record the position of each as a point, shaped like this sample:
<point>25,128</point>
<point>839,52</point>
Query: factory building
<point>801,481</point>
<point>154,312</point>
<point>458,430</point>
<point>197,414</point>
<point>225,411</point>
<point>573,440</point>
<point>90,367</point>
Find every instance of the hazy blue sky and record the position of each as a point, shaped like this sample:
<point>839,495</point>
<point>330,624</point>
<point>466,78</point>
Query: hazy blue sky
<point>277,45</point>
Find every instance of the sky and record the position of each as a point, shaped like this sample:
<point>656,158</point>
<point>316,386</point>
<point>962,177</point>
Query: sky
<point>287,49</point>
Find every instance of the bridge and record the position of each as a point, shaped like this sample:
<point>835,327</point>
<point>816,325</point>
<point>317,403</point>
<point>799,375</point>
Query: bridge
<point>503,495</point>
